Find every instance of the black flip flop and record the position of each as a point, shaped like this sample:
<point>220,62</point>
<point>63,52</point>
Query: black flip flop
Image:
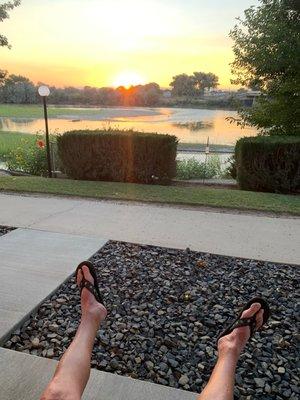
<point>251,322</point>
<point>93,288</point>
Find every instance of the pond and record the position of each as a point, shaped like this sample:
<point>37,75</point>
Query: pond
<point>189,125</point>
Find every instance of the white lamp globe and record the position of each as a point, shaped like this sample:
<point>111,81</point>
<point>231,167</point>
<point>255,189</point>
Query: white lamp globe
<point>44,91</point>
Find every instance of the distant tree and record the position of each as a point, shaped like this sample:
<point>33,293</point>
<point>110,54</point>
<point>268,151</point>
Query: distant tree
<point>3,75</point>
<point>17,89</point>
<point>90,95</point>
<point>4,14</point>
<point>108,96</point>
<point>203,80</point>
<point>182,85</point>
<point>267,57</point>
<point>193,85</point>
<point>150,94</point>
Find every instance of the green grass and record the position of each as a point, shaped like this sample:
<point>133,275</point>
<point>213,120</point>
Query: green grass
<point>194,196</point>
<point>36,111</point>
<point>11,140</point>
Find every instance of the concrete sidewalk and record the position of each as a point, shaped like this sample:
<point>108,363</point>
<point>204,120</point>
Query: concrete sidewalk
<point>228,233</point>
<point>24,377</point>
<point>33,265</point>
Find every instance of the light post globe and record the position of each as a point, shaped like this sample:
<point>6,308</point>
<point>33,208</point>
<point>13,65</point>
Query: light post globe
<point>44,91</point>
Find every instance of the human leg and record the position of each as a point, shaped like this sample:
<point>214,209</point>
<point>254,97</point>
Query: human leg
<point>221,382</point>
<point>73,370</point>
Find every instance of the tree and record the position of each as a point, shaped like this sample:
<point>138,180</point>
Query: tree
<point>193,85</point>
<point>4,14</point>
<point>183,85</point>
<point>149,94</point>
<point>267,56</point>
<point>203,80</point>
<point>3,75</point>
<point>17,89</point>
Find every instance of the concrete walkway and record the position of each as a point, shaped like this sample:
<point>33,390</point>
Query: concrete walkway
<point>24,377</point>
<point>250,236</point>
<point>33,264</point>
<point>58,233</point>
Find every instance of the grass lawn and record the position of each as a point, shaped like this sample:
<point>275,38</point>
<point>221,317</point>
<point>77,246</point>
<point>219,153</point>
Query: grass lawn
<point>36,111</point>
<point>194,196</point>
<point>11,140</point>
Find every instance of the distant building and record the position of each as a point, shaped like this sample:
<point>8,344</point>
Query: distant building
<point>248,98</point>
<point>218,94</point>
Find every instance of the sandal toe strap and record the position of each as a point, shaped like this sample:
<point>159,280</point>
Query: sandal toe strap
<point>90,287</point>
<point>251,322</point>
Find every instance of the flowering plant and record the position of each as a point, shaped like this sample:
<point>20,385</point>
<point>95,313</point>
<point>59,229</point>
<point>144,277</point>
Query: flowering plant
<point>30,157</point>
<point>40,144</point>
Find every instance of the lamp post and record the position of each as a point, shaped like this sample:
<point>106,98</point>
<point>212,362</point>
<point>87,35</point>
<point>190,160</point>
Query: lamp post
<point>44,93</point>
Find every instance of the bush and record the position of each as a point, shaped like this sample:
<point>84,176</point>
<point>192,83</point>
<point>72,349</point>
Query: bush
<point>230,171</point>
<point>194,169</point>
<point>30,157</point>
<point>118,155</point>
<point>268,164</point>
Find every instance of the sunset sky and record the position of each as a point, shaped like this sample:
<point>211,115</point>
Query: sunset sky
<point>112,42</point>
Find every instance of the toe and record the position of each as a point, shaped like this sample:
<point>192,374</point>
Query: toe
<point>87,274</point>
<point>259,319</point>
<point>79,277</point>
<point>255,307</point>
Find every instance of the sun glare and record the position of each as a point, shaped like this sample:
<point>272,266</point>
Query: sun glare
<point>128,79</point>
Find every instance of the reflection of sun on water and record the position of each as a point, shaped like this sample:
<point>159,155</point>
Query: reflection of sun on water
<point>127,79</point>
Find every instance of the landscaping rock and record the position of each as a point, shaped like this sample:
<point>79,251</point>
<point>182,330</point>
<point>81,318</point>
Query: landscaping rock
<point>166,308</point>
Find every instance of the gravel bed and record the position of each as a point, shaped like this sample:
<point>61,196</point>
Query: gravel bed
<point>166,308</point>
<point>5,229</point>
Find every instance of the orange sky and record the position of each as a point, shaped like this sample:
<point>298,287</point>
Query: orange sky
<point>107,42</point>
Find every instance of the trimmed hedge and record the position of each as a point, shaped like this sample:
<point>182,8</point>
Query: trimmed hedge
<point>268,163</point>
<point>118,155</point>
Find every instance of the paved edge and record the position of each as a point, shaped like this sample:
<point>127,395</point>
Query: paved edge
<point>25,376</point>
<point>5,337</point>
<point>16,326</point>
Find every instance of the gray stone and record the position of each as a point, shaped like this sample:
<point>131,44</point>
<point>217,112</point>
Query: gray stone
<point>184,380</point>
<point>260,382</point>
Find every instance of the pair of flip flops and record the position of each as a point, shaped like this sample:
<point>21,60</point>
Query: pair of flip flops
<point>237,323</point>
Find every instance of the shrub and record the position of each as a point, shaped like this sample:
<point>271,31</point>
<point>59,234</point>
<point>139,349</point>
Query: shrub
<point>230,171</point>
<point>30,157</point>
<point>118,155</point>
<point>194,169</point>
<point>268,164</point>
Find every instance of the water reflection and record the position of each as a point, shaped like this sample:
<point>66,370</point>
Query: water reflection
<point>194,126</point>
<point>189,125</point>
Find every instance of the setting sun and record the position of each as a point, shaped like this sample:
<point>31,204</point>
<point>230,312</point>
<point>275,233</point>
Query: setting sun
<point>128,78</point>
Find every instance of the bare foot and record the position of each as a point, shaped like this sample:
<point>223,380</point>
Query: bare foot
<point>238,338</point>
<point>90,307</point>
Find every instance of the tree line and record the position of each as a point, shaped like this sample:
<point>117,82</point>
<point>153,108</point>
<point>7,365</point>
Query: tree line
<point>19,89</point>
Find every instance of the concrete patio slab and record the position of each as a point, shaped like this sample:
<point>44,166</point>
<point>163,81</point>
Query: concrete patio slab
<point>24,377</point>
<point>253,236</point>
<point>33,264</point>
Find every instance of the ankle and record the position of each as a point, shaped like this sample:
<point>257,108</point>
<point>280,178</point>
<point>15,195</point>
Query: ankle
<point>229,352</point>
<point>91,316</point>
<point>228,346</point>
